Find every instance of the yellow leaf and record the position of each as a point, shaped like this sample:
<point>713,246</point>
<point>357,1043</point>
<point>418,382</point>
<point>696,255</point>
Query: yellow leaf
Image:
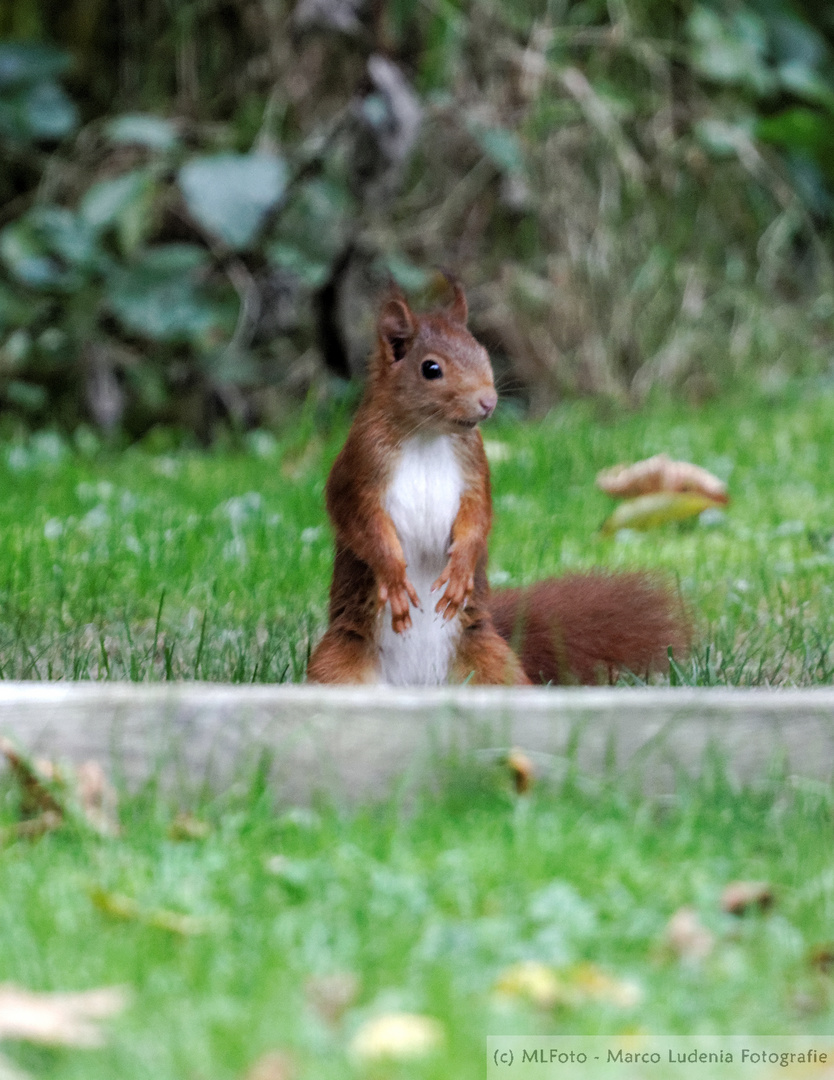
<point>547,987</point>
<point>532,981</point>
<point>397,1036</point>
<point>650,511</point>
<point>125,907</point>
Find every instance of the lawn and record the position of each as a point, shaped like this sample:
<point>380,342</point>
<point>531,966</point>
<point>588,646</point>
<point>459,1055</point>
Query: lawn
<point>158,563</point>
<point>302,925</point>
<point>254,927</point>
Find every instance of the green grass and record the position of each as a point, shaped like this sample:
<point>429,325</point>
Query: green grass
<point>151,564</point>
<point>425,906</point>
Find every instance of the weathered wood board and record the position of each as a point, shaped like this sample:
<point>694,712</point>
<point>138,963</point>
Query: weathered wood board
<point>355,743</point>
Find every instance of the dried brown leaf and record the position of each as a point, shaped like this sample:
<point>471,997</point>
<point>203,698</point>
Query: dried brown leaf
<point>58,1019</point>
<point>661,473</point>
<point>521,769</point>
<point>272,1066</point>
<point>741,896</point>
<point>687,936</point>
<point>36,778</point>
<point>332,995</point>
<point>188,827</point>
<point>822,958</point>
<point>97,798</point>
<point>48,788</point>
<point>32,828</point>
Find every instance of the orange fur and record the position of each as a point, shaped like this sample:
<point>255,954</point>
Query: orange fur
<point>585,628</point>
<point>590,628</point>
<point>370,568</point>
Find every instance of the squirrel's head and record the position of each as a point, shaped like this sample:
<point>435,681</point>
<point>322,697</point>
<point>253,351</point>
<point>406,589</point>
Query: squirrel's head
<point>435,375</point>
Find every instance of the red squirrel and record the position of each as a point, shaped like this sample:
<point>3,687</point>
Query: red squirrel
<point>409,499</point>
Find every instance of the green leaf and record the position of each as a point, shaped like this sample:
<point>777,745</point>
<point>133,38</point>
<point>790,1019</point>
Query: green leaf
<point>27,62</point>
<point>798,129</point>
<point>123,203</point>
<point>169,260</point>
<point>25,256</point>
<point>501,146</point>
<point>105,201</point>
<point>66,235</point>
<point>27,396</point>
<point>143,129</point>
<point>48,113</point>
<point>163,305</point>
<point>37,112</point>
<point>230,195</point>
<point>312,230</point>
<point>731,50</point>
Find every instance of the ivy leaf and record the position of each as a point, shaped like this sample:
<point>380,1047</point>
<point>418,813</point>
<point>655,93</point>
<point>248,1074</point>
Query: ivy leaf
<point>160,298</point>
<point>501,146</point>
<point>230,195</point>
<point>26,62</point>
<point>142,129</point>
<point>37,112</point>
<point>123,203</point>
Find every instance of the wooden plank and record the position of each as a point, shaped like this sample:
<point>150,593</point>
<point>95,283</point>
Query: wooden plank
<point>355,742</point>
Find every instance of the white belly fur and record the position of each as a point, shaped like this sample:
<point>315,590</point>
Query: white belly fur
<point>423,501</point>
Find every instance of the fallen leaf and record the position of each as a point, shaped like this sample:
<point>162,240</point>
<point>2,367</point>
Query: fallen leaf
<point>58,1019</point>
<point>532,981</point>
<point>661,473</point>
<point>521,770</point>
<point>83,793</point>
<point>97,798</point>
<point>594,984</point>
<point>32,828</point>
<point>687,936</point>
<point>397,1036</point>
<point>188,827</point>
<point>547,987</point>
<point>36,779</point>
<point>125,907</point>
<point>332,995</point>
<point>272,1066</point>
<point>822,958</point>
<point>740,896</point>
<point>650,511</point>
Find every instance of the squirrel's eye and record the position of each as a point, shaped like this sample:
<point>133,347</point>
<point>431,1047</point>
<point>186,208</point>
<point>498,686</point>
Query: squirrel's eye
<point>431,369</point>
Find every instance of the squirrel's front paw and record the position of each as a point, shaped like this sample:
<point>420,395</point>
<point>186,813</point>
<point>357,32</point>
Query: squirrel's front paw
<point>459,582</point>
<point>400,595</point>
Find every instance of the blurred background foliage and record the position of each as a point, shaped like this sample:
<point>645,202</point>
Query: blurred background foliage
<point>200,200</point>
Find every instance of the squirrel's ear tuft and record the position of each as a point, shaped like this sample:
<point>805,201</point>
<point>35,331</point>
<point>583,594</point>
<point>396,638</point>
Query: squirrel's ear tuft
<point>458,310</point>
<point>397,325</point>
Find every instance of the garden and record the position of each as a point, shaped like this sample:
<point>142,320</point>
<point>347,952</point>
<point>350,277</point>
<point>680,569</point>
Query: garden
<point>201,205</point>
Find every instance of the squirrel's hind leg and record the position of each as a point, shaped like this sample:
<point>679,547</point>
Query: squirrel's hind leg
<point>343,656</point>
<point>485,659</point>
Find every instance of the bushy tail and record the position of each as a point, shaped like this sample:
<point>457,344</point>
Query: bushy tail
<point>590,628</point>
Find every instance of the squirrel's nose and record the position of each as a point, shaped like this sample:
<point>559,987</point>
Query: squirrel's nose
<point>488,403</point>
